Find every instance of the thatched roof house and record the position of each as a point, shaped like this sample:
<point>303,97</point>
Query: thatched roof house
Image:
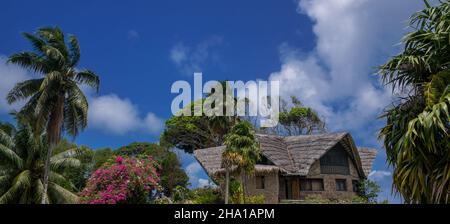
<point>297,166</point>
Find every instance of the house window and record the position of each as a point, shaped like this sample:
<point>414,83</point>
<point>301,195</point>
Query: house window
<point>260,182</point>
<point>335,161</point>
<point>341,185</point>
<point>355,184</point>
<point>311,185</point>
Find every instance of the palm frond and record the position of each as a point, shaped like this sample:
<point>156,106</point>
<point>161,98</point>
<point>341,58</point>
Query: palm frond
<point>89,78</point>
<point>10,156</point>
<point>60,180</point>
<point>6,139</point>
<point>74,51</point>
<point>59,164</point>
<point>59,194</point>
<point>70,153</point>
<point>37,42</point>
<point>54,54</point>
<point>39,188</point>
<point>30,61</point>
<point>75,111</point>
<point>21,182</point>
<point>23,90</point>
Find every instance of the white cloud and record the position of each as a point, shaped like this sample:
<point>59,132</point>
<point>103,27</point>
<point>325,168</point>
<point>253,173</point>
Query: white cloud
<point>178,54</point>
<point>202,183</point>
<point>133,35</point>
<point>115,115</point>
<point>353,36</point>
<point>378,175</point>
<point>197,176</point>
<point>193,172</point>
<point>194,59</point>
<point>193,168</point>
<point>108,113</point>
<point>336,77</point>
<point>9,76</point>
<point>153,123</point>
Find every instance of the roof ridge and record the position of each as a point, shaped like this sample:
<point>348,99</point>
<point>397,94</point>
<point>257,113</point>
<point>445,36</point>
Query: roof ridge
<point>294,165</point>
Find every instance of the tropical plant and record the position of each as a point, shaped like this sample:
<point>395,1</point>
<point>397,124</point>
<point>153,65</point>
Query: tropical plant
<point>368,191</point>
<point>22,159</point>
<point>242,151</point>
<point>101,156</point>
<point>170,171</point>
<point>125,181</point>
<point>77,176</point>
<point>296,119</point>
<point>416,136</point>
<point>56,99</point>
<point>197,132</point>
<point>206,195</point>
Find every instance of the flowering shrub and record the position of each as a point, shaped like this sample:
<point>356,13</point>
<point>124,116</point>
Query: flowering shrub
<point>126,180</point>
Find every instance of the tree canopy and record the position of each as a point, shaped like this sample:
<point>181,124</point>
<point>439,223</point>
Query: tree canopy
<point>22,158</point>
<point>416,136</point>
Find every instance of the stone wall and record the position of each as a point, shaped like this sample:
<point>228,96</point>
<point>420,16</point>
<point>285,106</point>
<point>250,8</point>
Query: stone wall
<point>271,186</point>
<point>329,182</point>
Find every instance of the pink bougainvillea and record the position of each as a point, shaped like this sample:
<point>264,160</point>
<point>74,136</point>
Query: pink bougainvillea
<point>128,180</point>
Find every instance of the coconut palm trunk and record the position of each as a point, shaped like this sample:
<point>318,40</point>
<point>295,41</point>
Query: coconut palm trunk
<point>53,136</point>
<point>227,185</point>
<point>55,100</point>
<point>244,183</point>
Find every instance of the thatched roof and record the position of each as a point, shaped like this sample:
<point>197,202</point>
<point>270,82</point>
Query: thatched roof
<point>294,155</point>
<point>367,157</point>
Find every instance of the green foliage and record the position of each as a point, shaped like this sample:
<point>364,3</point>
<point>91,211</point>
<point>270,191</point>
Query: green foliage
<point>297,120</point>
<point>236,192</point>
<point>55,60</point>
<point>101,156</point>
<point>183,195</point>
<point>242,147</point>
<point>416,136</point>
<point>55,101</point>
<point>255,199</point>
<point>242,151</point>
<point>171,172</point>
<point>79,175</point>
<point>206,196</point>
<point>197,132</point>
<point>368,191</point>
<point>22,160</point>
<point>317,199</point>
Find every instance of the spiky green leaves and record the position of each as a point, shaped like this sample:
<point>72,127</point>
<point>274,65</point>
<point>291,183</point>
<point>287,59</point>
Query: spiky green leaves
<point>56,61</point>
<point>22,159</point>
<point>416,136</point>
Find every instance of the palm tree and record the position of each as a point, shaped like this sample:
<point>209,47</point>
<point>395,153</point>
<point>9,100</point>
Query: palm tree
<point>242,151</point>
<point>56,99</point>
<point>22,158</point>
<point>416,136</point>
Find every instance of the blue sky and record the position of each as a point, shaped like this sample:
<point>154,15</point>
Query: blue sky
<point>322,51</point>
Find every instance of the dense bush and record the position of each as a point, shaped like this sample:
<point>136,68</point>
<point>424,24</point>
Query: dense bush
<point>126,180</point>
<point>256,199</point>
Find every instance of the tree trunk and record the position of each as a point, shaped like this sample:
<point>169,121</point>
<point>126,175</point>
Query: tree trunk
<point>227,184</point>
<point>53,137</point>
<point>244,188</point>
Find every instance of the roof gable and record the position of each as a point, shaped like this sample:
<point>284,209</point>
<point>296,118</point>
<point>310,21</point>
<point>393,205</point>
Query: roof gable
<point>295,155</point>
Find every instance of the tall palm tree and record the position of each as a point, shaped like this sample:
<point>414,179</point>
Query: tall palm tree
<point>416,136</point>
<point>22,158</point>
<point>241,151</point>
<point>56,99</point>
